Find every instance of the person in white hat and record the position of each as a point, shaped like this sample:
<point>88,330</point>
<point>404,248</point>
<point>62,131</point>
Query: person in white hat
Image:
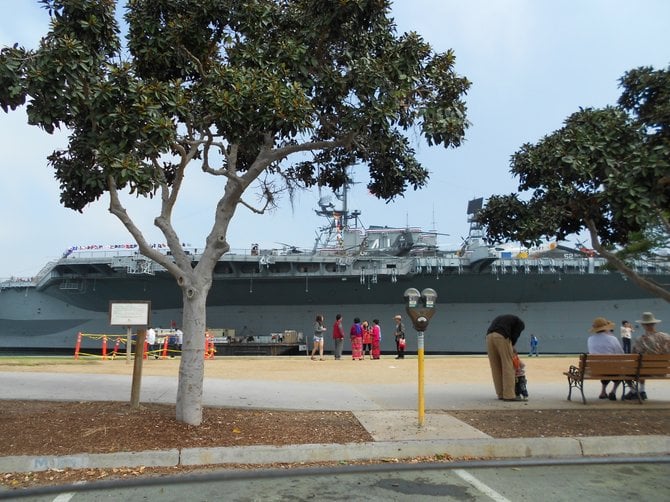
<point>651,341</point>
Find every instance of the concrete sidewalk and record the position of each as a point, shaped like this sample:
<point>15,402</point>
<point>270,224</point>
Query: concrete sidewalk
<point>389,411</point>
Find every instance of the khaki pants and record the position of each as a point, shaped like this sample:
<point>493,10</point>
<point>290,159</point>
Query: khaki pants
<point>499,350</point>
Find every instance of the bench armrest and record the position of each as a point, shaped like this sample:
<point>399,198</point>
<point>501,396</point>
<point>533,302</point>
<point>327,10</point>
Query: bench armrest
<point>574,372</point>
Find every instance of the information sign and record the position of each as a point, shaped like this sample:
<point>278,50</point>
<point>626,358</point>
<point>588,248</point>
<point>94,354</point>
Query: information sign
<point>133,313</point>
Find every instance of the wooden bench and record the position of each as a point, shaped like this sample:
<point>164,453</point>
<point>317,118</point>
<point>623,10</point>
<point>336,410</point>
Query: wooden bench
<point>626,368</point>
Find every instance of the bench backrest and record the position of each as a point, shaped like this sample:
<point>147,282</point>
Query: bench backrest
<point>655,365</point>
<point>609,364</point>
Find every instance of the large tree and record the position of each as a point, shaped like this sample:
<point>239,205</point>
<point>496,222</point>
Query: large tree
<point>235,88</point>
<point>606,171</point>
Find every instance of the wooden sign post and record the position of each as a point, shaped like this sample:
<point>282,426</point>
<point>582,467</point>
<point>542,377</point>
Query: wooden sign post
<point>134,313</point>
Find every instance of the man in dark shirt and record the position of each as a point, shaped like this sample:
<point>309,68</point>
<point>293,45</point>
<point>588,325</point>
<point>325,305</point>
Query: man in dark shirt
<point>501,337</point>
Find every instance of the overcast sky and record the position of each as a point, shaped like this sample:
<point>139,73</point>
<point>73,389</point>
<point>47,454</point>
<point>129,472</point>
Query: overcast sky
<point>531,63</point>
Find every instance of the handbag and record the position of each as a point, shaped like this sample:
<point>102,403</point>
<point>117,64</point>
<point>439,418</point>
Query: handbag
<point>401,343</point>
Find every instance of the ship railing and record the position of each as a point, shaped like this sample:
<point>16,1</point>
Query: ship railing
<point>546,265</point>
<point>99,253</point>
<point>268,259</point>
<point>42,277</point>
<point>45,275</point>
<point>572,265</point>
<point>440,263</point>
<point>45,270</point>
<point>16,282</point>
<point>370,271</point>
<point>194,252</point>
<point>120,252</point>
<point>651,266</point>
<point>285,251</point>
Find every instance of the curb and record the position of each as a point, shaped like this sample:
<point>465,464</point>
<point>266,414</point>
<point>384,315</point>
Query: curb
<point>25,463</point>
<point>554,447</point>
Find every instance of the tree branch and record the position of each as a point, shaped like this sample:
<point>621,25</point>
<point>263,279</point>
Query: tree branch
<point>164,220</point>
<point>254,209</point>
<point>621,266</point>
<point>231,157</point>
<point>117,209</point>
<point>197,62</point>
<point>269,194</point>
<point>280,153</point>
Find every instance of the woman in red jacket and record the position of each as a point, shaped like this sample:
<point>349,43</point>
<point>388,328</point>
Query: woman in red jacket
<point>356,335</point>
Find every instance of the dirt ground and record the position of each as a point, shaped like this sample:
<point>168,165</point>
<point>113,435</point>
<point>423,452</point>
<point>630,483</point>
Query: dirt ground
<point>60,428</point>
<point>438,369</point>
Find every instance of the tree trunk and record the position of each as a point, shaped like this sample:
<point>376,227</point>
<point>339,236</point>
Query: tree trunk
<point>192,364</point>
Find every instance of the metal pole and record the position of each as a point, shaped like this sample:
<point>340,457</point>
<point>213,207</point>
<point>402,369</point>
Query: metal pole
<point>421,379</point>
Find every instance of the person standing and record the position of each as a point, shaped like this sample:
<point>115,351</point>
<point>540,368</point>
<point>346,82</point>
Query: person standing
<point>626,336</point>
<point>534,342</point>
<point>177,340</point>
<point>604,342</point>
<point>319,328</point>
<point>151,341</point>
<point>356,336</point>
<point>367,338</point>
<point>338,337</point>
<point>179,334</point>
<point>376,339</point>
<point>399,334</point>
<point>501,336</point>
<point>651,341</point>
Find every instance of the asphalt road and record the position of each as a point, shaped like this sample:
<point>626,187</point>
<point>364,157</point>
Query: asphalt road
<point>622,479</point>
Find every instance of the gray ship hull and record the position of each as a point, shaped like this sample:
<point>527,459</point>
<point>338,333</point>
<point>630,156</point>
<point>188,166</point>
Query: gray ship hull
<point>352,271</point>
<point>558,308</point>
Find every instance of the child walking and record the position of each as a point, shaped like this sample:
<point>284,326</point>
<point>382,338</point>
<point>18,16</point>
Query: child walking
<point>520,383</point>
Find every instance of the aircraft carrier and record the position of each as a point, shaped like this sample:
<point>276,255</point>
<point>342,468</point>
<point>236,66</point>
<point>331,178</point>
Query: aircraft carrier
<point>353,271</point>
